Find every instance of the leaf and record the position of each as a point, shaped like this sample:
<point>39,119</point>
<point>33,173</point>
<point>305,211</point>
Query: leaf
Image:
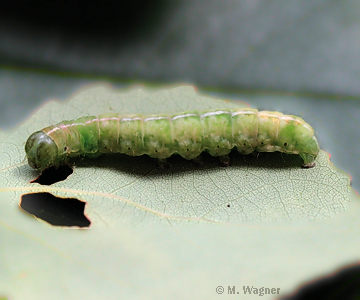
<point>187,226</point>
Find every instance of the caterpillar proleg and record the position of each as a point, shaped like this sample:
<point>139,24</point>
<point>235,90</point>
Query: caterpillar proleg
<point>186,134</point>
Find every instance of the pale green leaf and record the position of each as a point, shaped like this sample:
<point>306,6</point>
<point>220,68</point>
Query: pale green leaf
<point>180,232</point>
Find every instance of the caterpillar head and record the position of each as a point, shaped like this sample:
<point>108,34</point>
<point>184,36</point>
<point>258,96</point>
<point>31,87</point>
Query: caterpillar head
<point>309,152</point>
<point>41,151</point>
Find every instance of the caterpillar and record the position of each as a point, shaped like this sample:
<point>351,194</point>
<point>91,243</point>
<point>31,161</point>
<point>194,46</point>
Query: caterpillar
<point>187,134</point>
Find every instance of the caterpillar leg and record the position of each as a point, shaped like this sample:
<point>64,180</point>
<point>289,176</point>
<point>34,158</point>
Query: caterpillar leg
<point>309,160</point>
<point>224,160</point>
<point>255,154</point>
<point>163,163</point>
<point>199,161</point>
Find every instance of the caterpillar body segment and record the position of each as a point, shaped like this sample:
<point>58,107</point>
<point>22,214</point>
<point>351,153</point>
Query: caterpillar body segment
<point>160,136</point>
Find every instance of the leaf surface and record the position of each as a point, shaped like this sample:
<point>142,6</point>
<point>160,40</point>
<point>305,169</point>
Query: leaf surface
<point>156,231</point>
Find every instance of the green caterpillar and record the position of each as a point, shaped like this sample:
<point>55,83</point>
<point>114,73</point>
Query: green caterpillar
<point>160,136</point>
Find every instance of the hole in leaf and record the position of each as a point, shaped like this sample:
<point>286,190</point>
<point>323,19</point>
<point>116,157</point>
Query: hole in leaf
<point>53,174</point>
<point>55,210</point>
